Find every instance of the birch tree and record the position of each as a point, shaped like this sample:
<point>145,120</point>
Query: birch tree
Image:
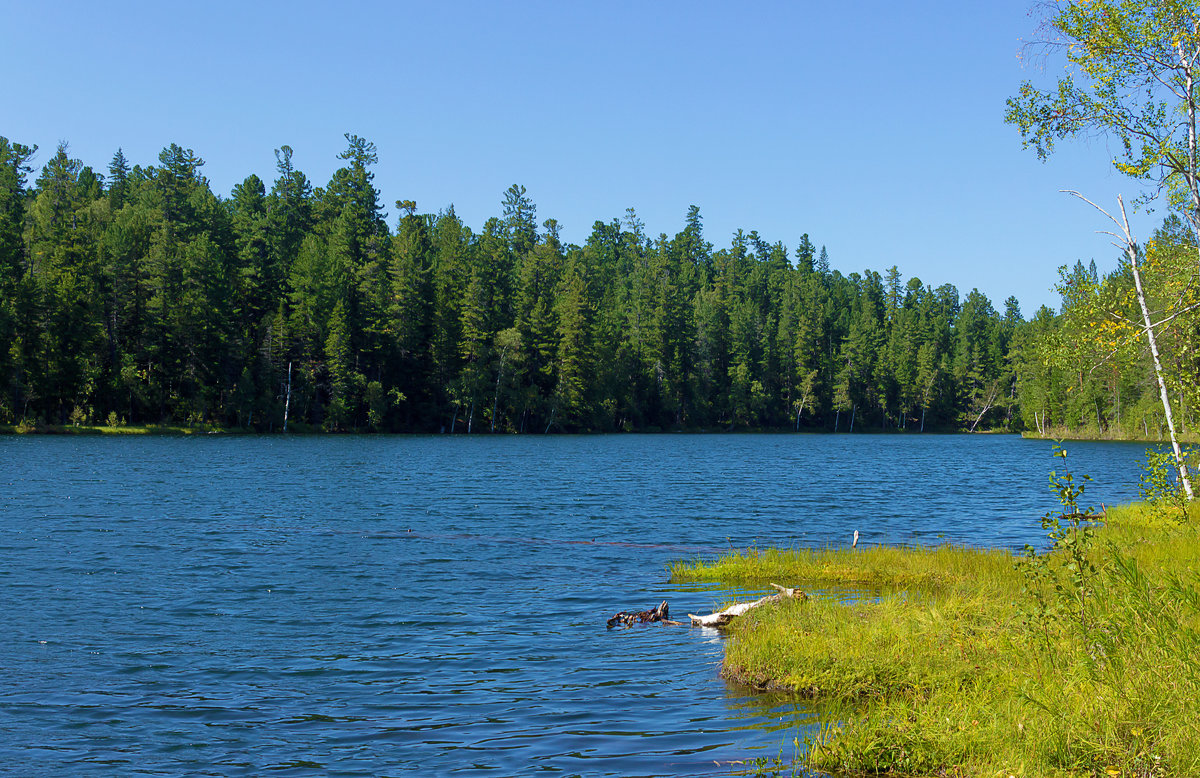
<point>1128,244</point>
<point>1131,77</point>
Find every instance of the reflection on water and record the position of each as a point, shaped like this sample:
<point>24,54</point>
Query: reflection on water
<point>382,605</point>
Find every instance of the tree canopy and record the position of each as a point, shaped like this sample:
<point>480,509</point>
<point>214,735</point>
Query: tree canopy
<point>1131,76</point>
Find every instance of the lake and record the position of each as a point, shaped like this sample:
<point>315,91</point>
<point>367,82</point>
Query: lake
<point>370,605</point>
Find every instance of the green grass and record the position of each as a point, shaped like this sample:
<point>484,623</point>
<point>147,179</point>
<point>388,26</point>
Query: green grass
<point>958,671</point>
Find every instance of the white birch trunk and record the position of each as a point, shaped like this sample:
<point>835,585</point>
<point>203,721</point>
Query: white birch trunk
<point>287,400</point>
<point>987,406</point>
<point>1187,64</point>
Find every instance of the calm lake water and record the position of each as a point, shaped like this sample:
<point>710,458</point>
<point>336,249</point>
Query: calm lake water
<point>435,605</point>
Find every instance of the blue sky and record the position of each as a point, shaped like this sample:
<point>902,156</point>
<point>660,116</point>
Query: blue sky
<point>875,127</point>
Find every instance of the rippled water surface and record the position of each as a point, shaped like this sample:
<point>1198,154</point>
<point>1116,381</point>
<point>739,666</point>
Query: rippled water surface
<point>434,605</point>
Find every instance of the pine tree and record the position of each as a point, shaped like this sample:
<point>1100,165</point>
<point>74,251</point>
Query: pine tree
<point>520,220</point>
<point>118,179</point>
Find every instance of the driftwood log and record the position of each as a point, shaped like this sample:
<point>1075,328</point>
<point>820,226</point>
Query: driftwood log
<point>721,618</point>
<point>662,615</point>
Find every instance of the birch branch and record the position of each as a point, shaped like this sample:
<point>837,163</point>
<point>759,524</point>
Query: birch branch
<point>721,618</point>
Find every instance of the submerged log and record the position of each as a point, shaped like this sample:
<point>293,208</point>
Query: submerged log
<point>721,618</point>
<point>628,618</point>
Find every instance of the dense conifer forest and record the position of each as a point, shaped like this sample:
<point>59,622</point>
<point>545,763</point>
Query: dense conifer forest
<point>138,296</point>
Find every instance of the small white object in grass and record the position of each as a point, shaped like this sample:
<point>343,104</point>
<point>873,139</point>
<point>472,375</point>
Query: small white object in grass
<point>855,543</point>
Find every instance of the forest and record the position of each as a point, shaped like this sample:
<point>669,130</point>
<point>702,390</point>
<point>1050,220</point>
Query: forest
<point>139,296</point>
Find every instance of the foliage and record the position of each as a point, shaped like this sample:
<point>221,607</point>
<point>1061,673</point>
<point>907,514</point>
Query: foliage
<point>1159,485</point>
<point>1130,75</point>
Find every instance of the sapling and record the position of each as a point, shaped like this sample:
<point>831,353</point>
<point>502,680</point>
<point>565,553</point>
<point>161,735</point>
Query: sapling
<point>1159,488</point>
<point>1072,532</point>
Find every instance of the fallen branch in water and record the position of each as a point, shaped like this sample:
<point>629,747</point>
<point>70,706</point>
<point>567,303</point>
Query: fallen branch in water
<point>721,618</point>
<point>662,615</point>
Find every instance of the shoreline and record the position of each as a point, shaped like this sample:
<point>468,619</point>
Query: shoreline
<point>305,430</point>
<point>961,661</point>
<point>132,430</point>
<point>1086,436</point>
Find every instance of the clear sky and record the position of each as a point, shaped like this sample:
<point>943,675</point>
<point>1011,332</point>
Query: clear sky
<point>876,127</point>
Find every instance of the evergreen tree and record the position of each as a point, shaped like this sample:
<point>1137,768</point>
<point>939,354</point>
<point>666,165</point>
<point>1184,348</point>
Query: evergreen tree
<point>118,179</point>
<point>520,220</point>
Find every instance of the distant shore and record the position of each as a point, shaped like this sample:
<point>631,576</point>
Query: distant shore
<point>1116,436</point>
<point>297,428</point>
<point>304,429</point>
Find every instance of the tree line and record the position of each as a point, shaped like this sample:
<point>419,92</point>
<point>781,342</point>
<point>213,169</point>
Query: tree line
<point>139,296</point>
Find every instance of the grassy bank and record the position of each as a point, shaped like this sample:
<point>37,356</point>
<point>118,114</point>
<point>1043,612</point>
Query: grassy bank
<point>1084,663</point>
<point>86,429</point>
